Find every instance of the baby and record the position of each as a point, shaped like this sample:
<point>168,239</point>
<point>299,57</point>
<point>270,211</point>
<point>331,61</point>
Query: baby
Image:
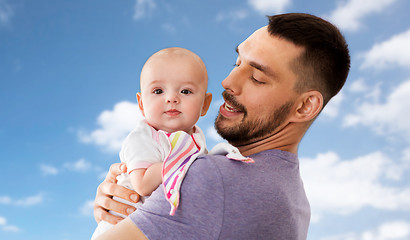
<point>173,96</point>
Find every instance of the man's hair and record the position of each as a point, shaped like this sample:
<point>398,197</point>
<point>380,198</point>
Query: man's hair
<point>325,62</point>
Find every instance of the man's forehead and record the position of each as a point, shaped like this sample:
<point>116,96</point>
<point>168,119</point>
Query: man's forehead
<point>258,33</point>
<point>254,37</point>
<point>270,54</point>
<point>262,41</point>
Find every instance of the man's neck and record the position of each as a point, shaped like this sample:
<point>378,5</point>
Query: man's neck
<point>287,139</point>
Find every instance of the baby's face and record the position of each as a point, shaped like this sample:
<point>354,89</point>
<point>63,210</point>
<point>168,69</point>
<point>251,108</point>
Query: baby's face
<point>173,93</point>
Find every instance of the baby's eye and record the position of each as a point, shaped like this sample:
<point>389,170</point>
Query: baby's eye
<point>157,91</point>
<point>186,91</point>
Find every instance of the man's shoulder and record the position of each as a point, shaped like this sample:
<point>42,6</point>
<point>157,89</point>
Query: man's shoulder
<point>208,172</point>
<point>217,169</point>
<point>208,163</point>
<point>273,166</point>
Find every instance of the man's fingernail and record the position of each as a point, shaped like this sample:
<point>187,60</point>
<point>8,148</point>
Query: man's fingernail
<point>134,198</point>
<point>122,167</point>
<point>130,210</point>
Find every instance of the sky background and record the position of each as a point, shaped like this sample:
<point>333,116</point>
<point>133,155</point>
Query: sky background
<point>69,71</point>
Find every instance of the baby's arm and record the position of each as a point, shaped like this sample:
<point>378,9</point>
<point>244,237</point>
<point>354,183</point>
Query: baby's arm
<point>145,181</point>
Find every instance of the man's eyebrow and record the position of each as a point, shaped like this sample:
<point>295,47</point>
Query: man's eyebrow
<point>265,69</point>
<point>262,68</point>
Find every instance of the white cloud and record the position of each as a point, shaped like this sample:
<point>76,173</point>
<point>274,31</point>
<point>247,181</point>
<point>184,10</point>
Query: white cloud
<point>11,228</point>
<point>143,8</point>
<point>349,14</point>
<point>216,104</point>
<point>268,6</point>
<point>169,28</point>
<point>396,230</point>
<point>332,108</point>
<point>48,170</point>
<point>392,52</point>
<point>5,200</point>
<point>344,187</point>
<point>102,175</point>
<point>210,131</point>
<point>406,155</point>
<point>79,166</point>
<point>233,15</point>
<point>7,228</point>
<point>88,208</point>
<point>114,126</point>
<point>366,91</point>
<point>24,202</point>
<point>212,134</point>
<point>6,12</point>
<point>393,230</point>
<point>386,118</point>
<point>358,86</point>
<point>30,201</point>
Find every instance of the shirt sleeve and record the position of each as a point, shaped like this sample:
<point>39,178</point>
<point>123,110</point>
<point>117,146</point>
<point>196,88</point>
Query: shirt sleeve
<point>140,150</point>
<point>200,213</point>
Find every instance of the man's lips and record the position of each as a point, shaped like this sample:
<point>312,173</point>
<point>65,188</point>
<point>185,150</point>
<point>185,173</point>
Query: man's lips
<point>228,110</point>
<point>231,107</point>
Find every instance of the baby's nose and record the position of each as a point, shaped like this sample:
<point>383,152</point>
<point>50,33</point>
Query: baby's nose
<point>172,98</point>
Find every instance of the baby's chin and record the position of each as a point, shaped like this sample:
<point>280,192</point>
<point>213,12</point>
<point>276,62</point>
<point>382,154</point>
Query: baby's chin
<point>171,129</point>
<point>179,129</point>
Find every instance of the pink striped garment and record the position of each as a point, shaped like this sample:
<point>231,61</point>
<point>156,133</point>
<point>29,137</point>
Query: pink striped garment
<point>183,152</point>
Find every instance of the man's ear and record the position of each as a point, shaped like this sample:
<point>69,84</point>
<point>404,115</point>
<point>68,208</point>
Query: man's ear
<point>207,103</point>
<point>140,105</point>
<point>308,107</point>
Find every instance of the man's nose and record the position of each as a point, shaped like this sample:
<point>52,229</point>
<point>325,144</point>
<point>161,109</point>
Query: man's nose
<point>233,83</point>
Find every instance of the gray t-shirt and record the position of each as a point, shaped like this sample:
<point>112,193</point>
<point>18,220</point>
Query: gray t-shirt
<point>227,199</point>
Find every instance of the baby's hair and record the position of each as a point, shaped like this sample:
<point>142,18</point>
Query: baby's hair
<point>173,52</point>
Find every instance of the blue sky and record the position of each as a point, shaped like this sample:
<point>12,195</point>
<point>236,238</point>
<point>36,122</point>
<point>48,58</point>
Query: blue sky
<point>69,73</point>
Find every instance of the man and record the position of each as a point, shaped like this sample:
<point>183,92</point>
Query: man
<point>285,74</point>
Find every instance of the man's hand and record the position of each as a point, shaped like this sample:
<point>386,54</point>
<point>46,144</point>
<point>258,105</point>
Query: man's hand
<point>109,188</point>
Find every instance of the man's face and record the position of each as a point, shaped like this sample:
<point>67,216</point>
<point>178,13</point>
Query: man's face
<point>259,93</point>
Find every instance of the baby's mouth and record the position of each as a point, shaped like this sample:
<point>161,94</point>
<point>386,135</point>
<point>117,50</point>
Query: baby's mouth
<point>173,112</point>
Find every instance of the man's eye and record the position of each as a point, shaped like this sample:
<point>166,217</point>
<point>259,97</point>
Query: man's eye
<point>186,91</point>
<point>256,80</point>
<point>157,91</point>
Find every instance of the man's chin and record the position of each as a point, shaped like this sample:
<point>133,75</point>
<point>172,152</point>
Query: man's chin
<point>229,132</point>
<point>224,124</point>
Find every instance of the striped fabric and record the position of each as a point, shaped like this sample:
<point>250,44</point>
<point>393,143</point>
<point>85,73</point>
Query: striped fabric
<point>183,152</point>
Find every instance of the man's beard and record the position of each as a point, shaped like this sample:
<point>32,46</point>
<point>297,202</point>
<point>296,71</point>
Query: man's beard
<point>250,130</point>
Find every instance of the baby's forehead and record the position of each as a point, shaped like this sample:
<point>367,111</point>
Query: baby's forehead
<point>178,57</point>
<point>173,82</point>
<point>176,54</point>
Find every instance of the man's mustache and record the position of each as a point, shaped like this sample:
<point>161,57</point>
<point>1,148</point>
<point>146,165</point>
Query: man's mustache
<point>233,102</point>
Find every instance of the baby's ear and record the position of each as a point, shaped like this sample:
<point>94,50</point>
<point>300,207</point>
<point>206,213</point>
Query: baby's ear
<point>140,105</point>
<point>207,103</point>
